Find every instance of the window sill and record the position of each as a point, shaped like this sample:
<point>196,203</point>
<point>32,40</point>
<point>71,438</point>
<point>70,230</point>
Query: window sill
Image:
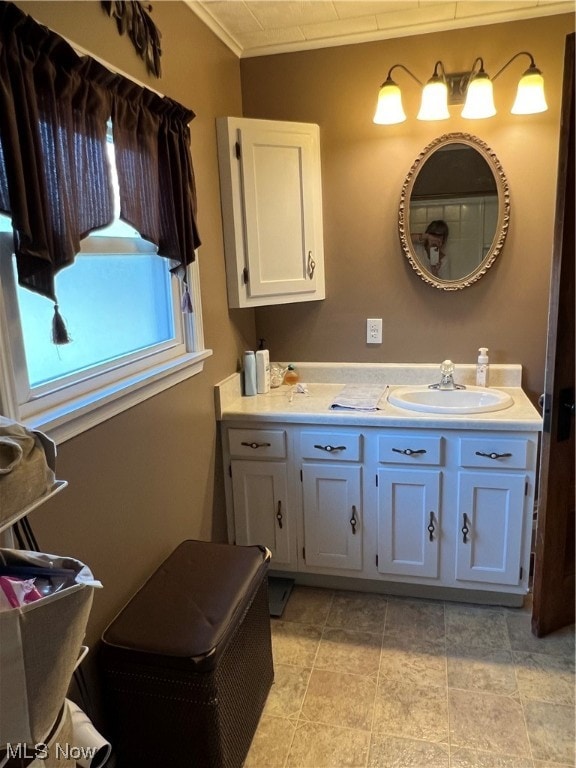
<point>76,416</point>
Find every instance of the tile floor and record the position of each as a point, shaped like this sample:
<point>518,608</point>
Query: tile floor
<point>372,681</point>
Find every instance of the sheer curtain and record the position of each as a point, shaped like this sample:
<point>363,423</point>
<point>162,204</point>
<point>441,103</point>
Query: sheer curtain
<point>55,182</point>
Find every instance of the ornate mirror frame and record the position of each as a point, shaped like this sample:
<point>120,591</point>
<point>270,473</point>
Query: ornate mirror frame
<point>503,218</point>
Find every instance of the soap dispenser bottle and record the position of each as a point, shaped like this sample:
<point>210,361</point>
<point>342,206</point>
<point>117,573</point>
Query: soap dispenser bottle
<point>482,368</point>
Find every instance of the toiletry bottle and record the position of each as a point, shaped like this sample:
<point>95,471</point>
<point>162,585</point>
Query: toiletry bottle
<point>482,368</point>
<point>262,371</point>
<point>291,376</point>
<point>249,373</point>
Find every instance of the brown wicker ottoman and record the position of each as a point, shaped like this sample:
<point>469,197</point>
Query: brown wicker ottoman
<point>187,664</point>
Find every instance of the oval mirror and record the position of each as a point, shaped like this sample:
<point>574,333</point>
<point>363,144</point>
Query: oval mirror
<point>454,211</point>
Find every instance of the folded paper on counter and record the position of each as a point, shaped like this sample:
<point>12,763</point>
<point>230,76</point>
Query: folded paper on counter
<point>359,397</point>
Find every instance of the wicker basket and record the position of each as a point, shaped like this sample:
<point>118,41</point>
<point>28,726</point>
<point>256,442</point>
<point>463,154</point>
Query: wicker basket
<point>195,701</point>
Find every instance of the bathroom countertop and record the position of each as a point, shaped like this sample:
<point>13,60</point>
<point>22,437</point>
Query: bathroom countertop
<point>284,404</point>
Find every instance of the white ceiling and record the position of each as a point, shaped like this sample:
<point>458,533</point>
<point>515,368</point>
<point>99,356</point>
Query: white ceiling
<point>264,27</point>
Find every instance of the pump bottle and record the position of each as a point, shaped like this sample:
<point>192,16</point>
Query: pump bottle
<point>482,368</point>
<point>262,371</point>
<point>249,373</point>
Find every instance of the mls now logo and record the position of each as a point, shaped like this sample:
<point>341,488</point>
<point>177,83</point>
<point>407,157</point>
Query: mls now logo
<point>23,751</point>
<point>70,752</point>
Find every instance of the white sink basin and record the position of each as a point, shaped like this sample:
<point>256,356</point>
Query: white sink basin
<point>469,400</point>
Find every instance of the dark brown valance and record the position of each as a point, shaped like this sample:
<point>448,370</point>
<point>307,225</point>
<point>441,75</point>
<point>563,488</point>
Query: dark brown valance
<point>55,182</point>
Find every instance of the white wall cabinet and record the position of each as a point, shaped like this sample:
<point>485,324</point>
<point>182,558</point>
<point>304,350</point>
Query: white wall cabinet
<point>270,183</point>
<point>421,508</point>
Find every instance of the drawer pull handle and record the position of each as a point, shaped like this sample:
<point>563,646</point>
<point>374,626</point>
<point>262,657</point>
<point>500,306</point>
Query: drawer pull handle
<point>279,514</point>
<point>494,455</point>
<point>465,529</point>
<point>353,520</point>
<point>431,527</point>
<point>256,445</point>
<point>331,448</point>
<point>311,265</point>
<point>409,451</point>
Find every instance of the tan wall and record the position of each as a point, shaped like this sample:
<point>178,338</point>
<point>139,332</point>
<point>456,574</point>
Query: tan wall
<point>364,167</point>
<point>151,477</point>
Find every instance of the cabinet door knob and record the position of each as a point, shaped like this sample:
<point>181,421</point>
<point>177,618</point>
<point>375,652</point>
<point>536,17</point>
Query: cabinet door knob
<point>279,514</point>
<point>465,529</point>
<point>353,519</point>
<point>330,448</point>
<point>494,455</point>
<point>256,445</point>
<point>431,526</point>
<point>311,265</point>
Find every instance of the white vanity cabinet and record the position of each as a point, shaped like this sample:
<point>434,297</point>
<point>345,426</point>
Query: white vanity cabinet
<point>260,497</point>
<point>332,507</point>
<point>455,507</point>
<point>432,511</point>
<point>495,498</point>
<point>271,193</point>
<point>409,519</point>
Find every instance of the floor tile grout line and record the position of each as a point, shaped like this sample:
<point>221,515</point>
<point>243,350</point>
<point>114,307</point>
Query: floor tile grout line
<point>448,711</point>
<point>300,719</point>
<point>382,635</point>
<point>520,697</point>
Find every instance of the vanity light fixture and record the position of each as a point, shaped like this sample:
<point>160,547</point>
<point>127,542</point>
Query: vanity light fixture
<point>473,87</point>
<point>530,97</point>
<point>434,104</point>
<point>479,94</point>
<point>389,109</point>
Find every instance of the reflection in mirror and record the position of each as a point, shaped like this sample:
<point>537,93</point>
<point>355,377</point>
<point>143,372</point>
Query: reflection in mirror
<point>454,211</point>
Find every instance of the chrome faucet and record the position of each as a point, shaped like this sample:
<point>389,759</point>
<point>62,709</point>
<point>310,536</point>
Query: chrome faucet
<point>447,378</point>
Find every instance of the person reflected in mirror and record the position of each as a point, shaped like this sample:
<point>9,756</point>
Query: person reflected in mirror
<point>430,246</point>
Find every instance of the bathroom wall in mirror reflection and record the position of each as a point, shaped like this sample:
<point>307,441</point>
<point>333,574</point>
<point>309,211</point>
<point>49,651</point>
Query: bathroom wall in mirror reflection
<point>471,226</point>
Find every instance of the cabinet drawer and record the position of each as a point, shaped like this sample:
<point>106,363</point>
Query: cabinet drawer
<point>331,446</point>
<point>257,443</point>
<point>493,452</point>
<point>410,449</point>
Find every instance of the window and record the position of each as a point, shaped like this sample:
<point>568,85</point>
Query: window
<point>130,338</point>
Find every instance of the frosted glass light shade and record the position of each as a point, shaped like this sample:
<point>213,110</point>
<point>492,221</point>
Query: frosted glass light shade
<point>434,105</point>
<point>530,97</point>
<point>479,99</point>
<point>389,109</point>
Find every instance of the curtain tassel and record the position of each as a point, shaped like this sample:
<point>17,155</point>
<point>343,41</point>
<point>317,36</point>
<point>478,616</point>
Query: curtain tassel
<point>59,330</point>
<point>186,303</point>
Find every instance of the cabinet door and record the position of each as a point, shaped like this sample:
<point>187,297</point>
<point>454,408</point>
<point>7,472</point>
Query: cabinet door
<point>277,163</point>
<point>409,522</point>
<point>332,495</point>
<point>491,516</point>
<point>272,206</point>
<point>261,514</point>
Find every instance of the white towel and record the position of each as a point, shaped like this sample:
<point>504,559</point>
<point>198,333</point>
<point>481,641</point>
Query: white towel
<point>359,397</point>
